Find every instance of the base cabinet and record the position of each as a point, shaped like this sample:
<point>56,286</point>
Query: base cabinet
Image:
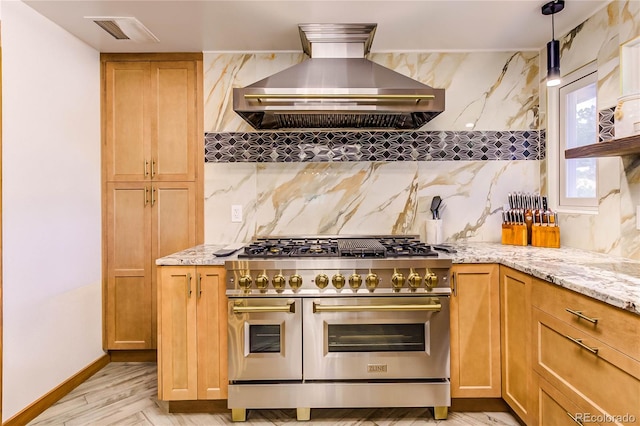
<point>192,337</point>
<point>475,331</point>
<point>601,383</point>
<point>515,339</point>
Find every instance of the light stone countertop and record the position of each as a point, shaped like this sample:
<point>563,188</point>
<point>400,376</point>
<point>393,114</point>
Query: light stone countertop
<point>610,279</point>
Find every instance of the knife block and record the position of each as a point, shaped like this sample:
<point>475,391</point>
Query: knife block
<point>545,236</point>
<point>514,234</point>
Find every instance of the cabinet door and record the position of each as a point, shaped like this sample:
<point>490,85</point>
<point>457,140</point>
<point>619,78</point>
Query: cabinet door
<point>515,321</point>
<point>177,335</point>
<point>174,122</point>
<point>212,333</point>
<point>173,206</point>
<point>475,332</point>
<point>128,292</point>
<point>126,123</point>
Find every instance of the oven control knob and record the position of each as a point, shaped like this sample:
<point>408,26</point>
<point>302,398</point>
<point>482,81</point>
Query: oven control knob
<point>322,280</point>
<point>355,281</point>
<point>262,281</point>
<point>279,282</point>
<point>415,280</point>
<point>431,280</point>
<point>245,282</point>
<point>295,281</point>
<point>397,280</point>
<point>372,281</point>
<point>338,281</point>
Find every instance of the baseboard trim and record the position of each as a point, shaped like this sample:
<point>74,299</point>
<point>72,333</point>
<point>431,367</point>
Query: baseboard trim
<point>150,355</point>
<point>200,406</point>
<point>474,405</point>
<point>39,406</point>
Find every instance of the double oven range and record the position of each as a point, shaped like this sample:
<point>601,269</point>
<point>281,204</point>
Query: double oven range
<point>337,322</point>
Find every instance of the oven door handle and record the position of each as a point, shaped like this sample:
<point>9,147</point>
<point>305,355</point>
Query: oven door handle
<point>433,307</point>
<point>289,308</point>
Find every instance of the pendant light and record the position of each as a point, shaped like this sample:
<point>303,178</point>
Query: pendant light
<point>553,47</point>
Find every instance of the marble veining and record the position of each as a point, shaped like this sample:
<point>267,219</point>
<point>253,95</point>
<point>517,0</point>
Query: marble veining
<point>202,254</point>
<point>610,279</point>
<point>361,197</point>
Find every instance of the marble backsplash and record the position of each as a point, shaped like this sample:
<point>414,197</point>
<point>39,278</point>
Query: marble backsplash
<point>361,197</point>
<point>310,193</point>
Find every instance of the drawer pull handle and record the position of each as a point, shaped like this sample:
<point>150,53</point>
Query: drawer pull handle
<point>579,314</point>
<point>317,307</point>
<point>289,308</point>
<point>575,419</point>
<point>582,345</point>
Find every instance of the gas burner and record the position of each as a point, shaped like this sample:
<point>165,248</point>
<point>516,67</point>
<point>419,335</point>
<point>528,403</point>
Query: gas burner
<point>317,249</point>
<point>372,247</point>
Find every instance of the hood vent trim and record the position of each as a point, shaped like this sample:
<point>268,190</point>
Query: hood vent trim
<point>337,88</point>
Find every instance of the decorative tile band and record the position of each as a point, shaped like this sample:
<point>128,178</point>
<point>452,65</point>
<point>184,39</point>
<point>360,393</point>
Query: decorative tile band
<point>334,146</point>
<point>606,124</point>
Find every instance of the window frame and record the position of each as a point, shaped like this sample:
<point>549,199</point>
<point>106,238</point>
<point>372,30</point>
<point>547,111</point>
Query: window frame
<point>573,85</point>
<point>554,153</point>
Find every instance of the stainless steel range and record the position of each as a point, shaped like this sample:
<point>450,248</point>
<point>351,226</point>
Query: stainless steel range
<point>336,322</point>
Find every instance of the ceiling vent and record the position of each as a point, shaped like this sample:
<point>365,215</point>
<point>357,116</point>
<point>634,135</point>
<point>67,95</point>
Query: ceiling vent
<point>125,28</point>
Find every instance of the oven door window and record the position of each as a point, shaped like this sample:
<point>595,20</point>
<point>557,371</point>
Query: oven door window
<point>376,337</point>
<point>264,338</point>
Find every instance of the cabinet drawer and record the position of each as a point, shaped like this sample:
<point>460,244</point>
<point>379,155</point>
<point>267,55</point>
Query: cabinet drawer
<point>556,409</point>
<point>601,375</point>
<point>613,326</point>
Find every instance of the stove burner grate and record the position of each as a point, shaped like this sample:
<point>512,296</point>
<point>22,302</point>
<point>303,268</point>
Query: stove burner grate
<point>358,247</point>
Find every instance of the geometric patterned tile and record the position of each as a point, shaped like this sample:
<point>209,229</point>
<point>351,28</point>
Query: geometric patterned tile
<point>338,146</point>
<point>606,130</point>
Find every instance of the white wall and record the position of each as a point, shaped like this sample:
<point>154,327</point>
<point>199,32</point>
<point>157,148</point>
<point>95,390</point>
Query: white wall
<point>51,206</point>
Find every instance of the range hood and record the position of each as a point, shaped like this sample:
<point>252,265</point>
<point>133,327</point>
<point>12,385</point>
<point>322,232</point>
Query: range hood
<point>337,88</point>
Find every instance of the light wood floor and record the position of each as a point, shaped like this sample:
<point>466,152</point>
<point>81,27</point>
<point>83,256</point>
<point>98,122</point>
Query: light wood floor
<point>126,394</point>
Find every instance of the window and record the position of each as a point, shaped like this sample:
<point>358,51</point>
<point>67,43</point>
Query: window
<point>578,126</point>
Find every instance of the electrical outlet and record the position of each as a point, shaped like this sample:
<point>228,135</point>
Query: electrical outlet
<point>236,213</point>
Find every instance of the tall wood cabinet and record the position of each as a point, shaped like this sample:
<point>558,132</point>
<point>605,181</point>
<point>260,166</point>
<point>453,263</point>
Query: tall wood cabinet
<point>192,346</point>
<point>475,331</point>
<point>152,182</point>
<point>515,322</point>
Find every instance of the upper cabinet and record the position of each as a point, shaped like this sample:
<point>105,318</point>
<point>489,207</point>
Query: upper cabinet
<point>616,147</point>
<point>151,125</point>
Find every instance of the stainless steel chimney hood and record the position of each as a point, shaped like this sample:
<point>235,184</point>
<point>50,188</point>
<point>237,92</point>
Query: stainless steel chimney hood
<point>337,88</point>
